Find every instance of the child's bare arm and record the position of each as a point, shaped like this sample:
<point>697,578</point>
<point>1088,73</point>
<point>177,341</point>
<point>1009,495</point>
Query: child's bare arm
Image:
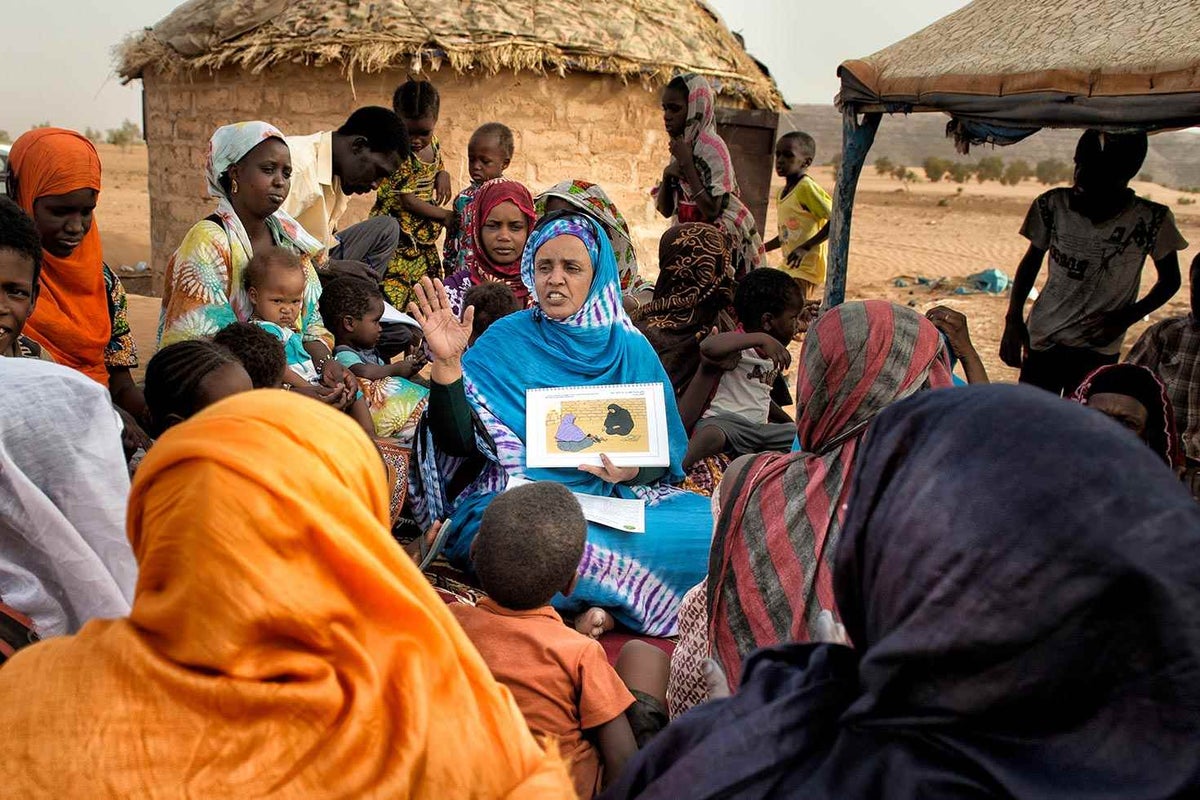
<point>375,372</point>
<point>1168,283</point>
<point>617,746</point>
<point>293,379</point>
<point>817,238</point>
<point>362,415</point>
<point>423,208</point>
<point>1016,335</point>
<point>724,345</point>
<point>774,244</point>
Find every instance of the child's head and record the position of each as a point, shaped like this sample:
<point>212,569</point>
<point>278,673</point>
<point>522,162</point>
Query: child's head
<point>352,308</point>
<point>794,154</point>
<point>1105,163</point>
<point>675,106</point>
<point>770,301</point>
<point>260,353</point>
<point>529,545</point>
<point>20,266</point>
<point>275,283</point>
<point>185,377</point>
<point>489,151</point>
<point>492,300</point>
<point>417,104</point>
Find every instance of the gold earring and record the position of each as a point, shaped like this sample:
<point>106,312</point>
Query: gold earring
<point>233,181</point>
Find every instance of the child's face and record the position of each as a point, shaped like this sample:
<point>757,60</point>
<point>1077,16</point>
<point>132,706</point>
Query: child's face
<point>790,160</point>
<point>280,297</point>
<point>785,325</point>
<point>420,131</point>
<point>485,158</point>
<point>674,106</point>
<point>18,293</point>
<point>64,219</point>
<point>364,332</point>
<point>264,178</point>
<point>504,233</point>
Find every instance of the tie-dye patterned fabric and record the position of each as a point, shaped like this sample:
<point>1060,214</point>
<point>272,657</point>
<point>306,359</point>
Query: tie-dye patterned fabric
<point>640,578</point>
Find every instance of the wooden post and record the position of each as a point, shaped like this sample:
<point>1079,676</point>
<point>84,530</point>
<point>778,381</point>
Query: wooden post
<point>857,138</point>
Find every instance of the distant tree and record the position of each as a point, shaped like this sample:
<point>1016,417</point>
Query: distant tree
<point>989,169</point>
<point>936,168</point>
<point>37,125</point>
<point>5,138</point>
<point>93,135</point>
<point>1016,172</point>
<point>124,136</point>
<point>884,166</point>
<point>899,171</point>
<point>1051,171</point>
<point>960,172</point>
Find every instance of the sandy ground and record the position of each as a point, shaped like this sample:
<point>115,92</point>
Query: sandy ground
<point>929,230</point>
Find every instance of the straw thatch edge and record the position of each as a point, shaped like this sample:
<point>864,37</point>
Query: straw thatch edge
<point>143,52</point>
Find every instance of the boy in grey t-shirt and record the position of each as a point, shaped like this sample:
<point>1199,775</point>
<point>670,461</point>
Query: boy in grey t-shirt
<point>1098,234</point>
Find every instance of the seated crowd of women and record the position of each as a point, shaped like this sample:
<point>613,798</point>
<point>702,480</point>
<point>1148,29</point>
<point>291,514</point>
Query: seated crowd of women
<point>889,620</point>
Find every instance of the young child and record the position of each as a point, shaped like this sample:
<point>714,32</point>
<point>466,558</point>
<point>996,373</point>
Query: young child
<point>260,353</point>
<point>20,265</point>
<point>528,549</point>
<point>804,212</point>
<point>416,194</point>
<point>742,418</point>
<point>186,377</point>
<point>1099,234</point>
<point>488,154</point>
<point>492,300</point>
<point>275,285</point>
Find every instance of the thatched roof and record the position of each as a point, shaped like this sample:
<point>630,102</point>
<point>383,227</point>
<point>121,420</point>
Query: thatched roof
<point>647,39</point>
<point>1036,63</point>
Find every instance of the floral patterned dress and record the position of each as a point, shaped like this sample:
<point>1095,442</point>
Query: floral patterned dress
<point>417,254</point>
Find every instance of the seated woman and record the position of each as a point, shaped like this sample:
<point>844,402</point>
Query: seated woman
<point>590,199</point>
<point>289,641</point>
<point>81,316</point>
<point>495,226</point>
<point>1134,397</point>
<point>249,175</point>
<point>576,334</point>
<point>699,184</point>
<point>64,556</point>
<point>1040,648</point>
<point>779,516</point>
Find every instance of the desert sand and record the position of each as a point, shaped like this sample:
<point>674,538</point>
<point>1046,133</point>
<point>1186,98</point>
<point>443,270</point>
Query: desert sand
<point>926,230</point>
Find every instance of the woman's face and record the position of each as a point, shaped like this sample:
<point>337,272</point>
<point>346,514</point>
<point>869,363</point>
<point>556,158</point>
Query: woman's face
<point>562,275</point>
<point>264,178</point>
<point>64,219</point>
<point>504,233</point>
<point>1123,410</point>
<point>674,106</point>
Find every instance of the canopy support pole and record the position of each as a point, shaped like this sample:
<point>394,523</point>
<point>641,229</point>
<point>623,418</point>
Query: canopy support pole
<point>857,138</point>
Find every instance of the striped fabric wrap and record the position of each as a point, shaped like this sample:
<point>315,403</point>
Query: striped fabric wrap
<point>771,565</point>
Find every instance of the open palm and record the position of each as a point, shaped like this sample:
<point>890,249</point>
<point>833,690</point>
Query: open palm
<point>446,335</point>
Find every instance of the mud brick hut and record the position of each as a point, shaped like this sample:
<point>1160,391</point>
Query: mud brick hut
<point>578,81</point>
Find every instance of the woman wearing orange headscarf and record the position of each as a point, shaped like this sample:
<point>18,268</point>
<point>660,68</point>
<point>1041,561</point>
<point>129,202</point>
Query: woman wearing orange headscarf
<point>80,317</point>
<point>280,643</point>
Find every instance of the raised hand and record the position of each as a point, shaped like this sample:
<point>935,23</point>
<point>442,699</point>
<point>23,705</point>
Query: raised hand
<point>446,335</point>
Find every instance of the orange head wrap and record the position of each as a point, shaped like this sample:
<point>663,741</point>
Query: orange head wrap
<point>71,318</point>
<point>281,643</point>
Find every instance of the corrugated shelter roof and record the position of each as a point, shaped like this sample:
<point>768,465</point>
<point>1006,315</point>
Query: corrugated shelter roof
<point>646,39</point>
<point>1042,63</point>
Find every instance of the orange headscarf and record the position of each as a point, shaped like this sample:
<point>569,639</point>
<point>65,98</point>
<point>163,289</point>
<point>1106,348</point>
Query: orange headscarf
<point>280,644</point>
<point>71,318</point>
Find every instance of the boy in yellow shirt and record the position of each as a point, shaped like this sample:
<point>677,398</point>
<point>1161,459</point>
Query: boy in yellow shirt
<point>804,211</point>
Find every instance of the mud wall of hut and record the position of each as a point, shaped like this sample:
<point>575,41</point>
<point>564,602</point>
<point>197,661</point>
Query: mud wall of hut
<point>579,126</point>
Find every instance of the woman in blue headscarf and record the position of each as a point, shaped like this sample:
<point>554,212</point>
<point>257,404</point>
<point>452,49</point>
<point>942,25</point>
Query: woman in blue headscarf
<point>576,334</point>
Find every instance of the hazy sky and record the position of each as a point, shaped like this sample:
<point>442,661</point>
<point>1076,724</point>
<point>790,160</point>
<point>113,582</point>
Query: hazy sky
<point>57,64</point>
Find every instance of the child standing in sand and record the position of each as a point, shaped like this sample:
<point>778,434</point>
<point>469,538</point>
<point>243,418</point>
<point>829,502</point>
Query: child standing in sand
<point>488,154</point>
<point>416,194</point>
<point>275,286</point>
<point>699,184</point>
<point>1098,234</point>
<point>804,212</point>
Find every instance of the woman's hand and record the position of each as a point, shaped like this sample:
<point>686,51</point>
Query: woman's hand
<point>680,151</point>
<point>133,437</point>
<point>954,325</point>
<point>441,188</point>
<point>446,335</point>
<point>610,472</point>
<point>334,374</point>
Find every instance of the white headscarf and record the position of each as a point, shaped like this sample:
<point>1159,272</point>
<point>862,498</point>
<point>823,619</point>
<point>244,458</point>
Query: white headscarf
<point>64,556</point>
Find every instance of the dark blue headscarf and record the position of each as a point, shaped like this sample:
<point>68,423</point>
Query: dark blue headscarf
<point>1036,635</point>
